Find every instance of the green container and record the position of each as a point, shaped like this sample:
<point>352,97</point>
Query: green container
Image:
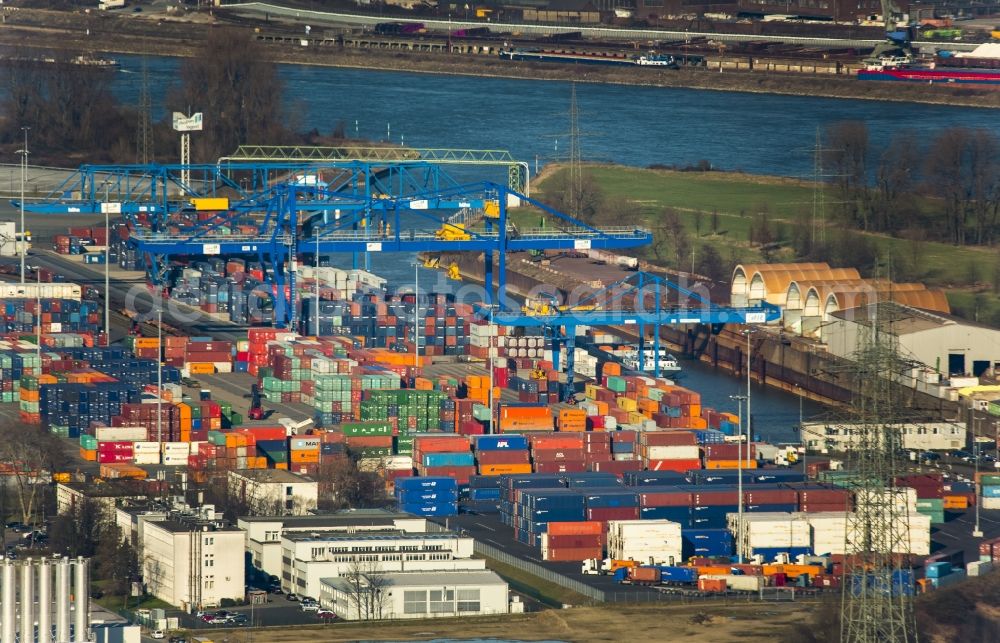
<point>217,438</point>
<point>990,480</point>
<point>88,442</point>
<point>235,419</point>
<point>359,429</point>
<point>616,384</point>
<point>930,504</point>
<point>372,452</point>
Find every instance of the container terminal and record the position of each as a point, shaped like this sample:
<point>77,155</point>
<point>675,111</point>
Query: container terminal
<point>220,325</point>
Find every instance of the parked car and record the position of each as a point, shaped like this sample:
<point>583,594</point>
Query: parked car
<point>157,634</point>
<point>291,597</point>
<point>309,607</point>
<point>959,454</point>
<point>325,614</point>
<point>208,618</point>
<point>178,639</point>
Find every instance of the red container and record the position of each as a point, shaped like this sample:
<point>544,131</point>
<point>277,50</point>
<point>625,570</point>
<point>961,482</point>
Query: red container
<point>460,474</point>
<point>678,498</point>
<point>569,555</point>
<point>668,438</point>
<point>502,457</point>
<point>556,455</point>
<point>824,496</point>
<point>605,514</point>
<point>644,574</point>
<point>771,497</point>
<point>729,452</point>
<point>561,466</point>
<point>617,466</point>
<point>581,528</point>
<point>714,498</point>
<point>556,441</point>
<point>570,541</point>
<point>673,465</point>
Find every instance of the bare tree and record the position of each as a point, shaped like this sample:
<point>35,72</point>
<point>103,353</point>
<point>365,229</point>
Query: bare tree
<point>116,560</point>
<point>239,92</point>
<point>584,203</point>
<point>367,590</point>
<point>343,486</point>
<point>29,453</point>
<point>947,175</point>
<point>894,205</point>
<point>847,157</point>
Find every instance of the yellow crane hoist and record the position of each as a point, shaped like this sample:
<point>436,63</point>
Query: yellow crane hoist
<point>452,232</point>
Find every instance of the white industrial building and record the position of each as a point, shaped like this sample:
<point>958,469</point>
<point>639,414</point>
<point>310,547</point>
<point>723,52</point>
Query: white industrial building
<point>274,491</point>
<point>264,533</point>
<point>102,497</point>
<point>949,345</point>
<point>412,595</point>
<point>919,436</point>
<point>193,562</point>
<point>309,558</point>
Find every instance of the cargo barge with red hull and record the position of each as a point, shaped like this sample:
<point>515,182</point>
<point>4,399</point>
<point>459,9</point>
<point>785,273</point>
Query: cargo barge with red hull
<point>933,75</point>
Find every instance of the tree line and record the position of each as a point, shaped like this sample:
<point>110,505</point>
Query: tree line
<point>75,116</point>
<point>946,183</point>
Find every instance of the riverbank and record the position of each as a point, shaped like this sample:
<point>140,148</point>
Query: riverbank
<point>76,33</point>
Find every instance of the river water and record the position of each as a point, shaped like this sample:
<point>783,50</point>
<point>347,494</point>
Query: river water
<point>631,125</point>
<point>638,126</point>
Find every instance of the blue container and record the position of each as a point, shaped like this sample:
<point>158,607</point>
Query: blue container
<point>653,478</point>
<point>715,477</point>
<point>789,508</point>
<point>620,574</point>
<point>484,482</point>
<point>706,542</point>
<point>464,459</point>
<point>426,497</point>
<point>673,574</point>
<point>432,482</point>
<point>556,515</point>
<point>772,476</point>
<point>674,514</point>
<point>593,481</point>
<point>609,499</point>
<point>500,442</point>
<point>991,491</point>
<point>937,570</point>
<point>441,509</point>
<point>484,494</point>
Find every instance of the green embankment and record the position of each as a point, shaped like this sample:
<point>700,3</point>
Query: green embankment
<point>734,202</point>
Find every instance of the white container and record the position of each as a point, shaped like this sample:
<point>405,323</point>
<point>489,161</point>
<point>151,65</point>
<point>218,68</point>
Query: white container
<point>146,458</point>
<point>146,447</point>
<point>121,433</point>
<point>979,567</point>
<point>687,452</point>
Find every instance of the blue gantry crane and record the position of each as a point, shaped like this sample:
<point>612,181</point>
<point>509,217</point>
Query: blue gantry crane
<point>639,300</point>
<point>295,218</point>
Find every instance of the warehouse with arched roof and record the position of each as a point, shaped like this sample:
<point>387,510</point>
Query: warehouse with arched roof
<point>742,273</point>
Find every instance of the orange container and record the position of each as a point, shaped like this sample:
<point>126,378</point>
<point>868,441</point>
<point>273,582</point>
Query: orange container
<point>503,469</point>
<point>90,455</point>
<point>585,528</point>
<point>556,441</point>
<point>956,502</point>
<point>29,396</point>
<point>715,570</point>
<point>729,464</point>
<point>147,342</point>
<point>611,368</point>
<point>712,584</point>
<point>201,368</point>
<point>281,465</point>
<point>441,444</point>
<point>303,457</point>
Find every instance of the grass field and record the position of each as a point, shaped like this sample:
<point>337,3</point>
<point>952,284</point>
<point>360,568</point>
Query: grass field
<point>733,201</point>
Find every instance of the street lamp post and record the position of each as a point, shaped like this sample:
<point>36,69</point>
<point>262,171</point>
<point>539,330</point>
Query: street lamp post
<point>739,465</point>
<point>489,362</point>
<point>977,532</point>
<point>748,332</point>
<point>24,171</point>
<point>159,373</point>
<point>316,277</point>
<point>416,313</point>
<point>107,260</point>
